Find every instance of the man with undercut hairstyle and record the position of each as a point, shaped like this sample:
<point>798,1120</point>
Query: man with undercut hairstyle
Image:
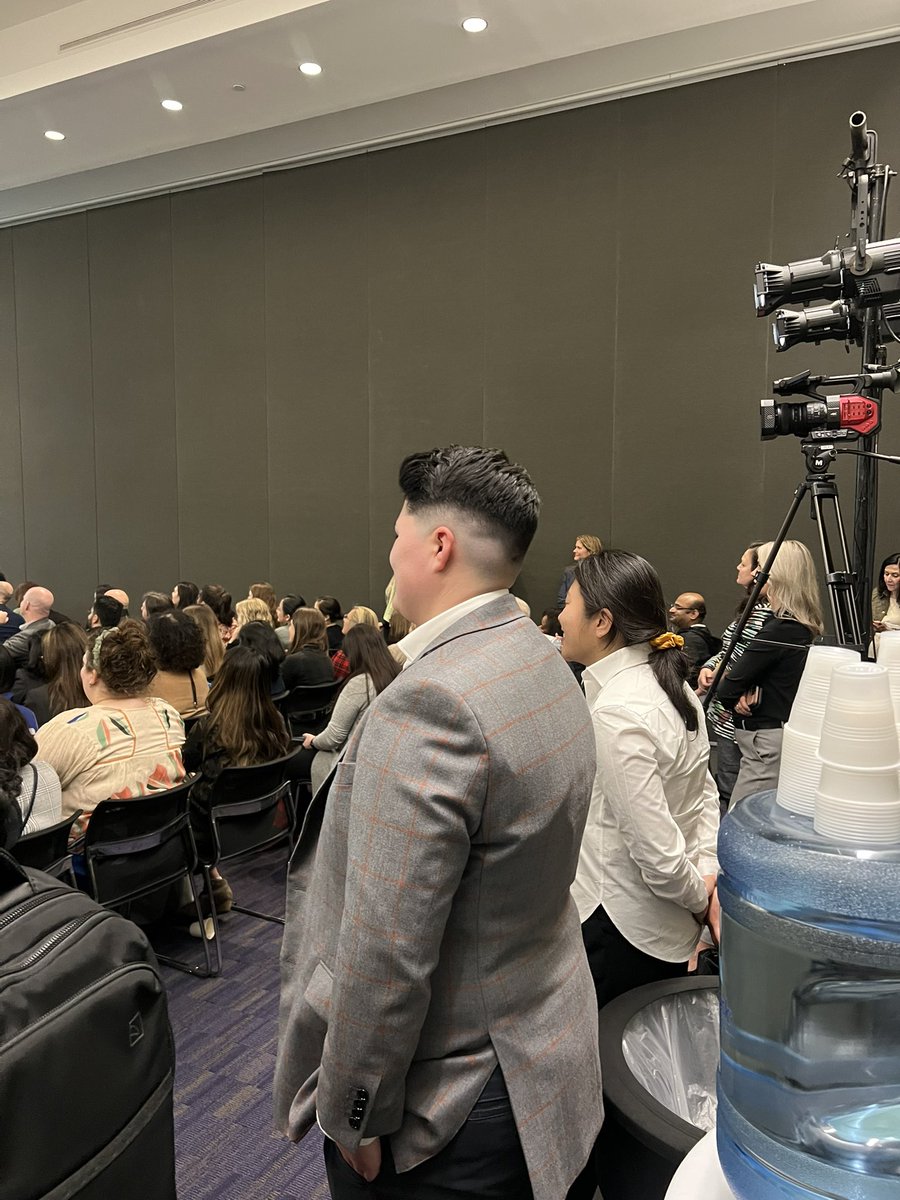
<point>436,1011</point>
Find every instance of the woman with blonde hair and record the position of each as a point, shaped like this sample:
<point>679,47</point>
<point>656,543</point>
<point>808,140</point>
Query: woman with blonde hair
<point>357,615</point>
<point>266,593</point>
<point>214,647</point>
<point>252,609</point>
<point>760,687</point>
<point>586,544</point>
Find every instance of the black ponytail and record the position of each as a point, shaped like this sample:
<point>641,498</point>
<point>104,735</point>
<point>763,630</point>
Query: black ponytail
<point>629,588</point>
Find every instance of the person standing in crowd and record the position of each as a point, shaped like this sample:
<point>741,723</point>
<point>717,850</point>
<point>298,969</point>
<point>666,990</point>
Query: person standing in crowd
<point>886,597</point>
<point>437,1009</point>
<point>585,544</point>
<point>728,756</point>
<point>760,688</point>
<point>646,874</point>
<point>687,617</point>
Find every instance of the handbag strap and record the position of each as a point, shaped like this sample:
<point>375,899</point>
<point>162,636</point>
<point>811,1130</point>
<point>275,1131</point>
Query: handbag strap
<point>27,816</point>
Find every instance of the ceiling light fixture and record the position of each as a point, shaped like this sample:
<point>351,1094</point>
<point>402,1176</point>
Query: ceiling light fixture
<point>474,24</point>
<point>53,135</point>
<point>310,68</point>
<point>172,105</point>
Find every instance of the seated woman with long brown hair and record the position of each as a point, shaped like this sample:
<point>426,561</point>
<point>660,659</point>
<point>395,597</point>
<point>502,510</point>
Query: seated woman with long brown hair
<point>371,670</point>
<point>51,682</point>
<point>214,647</point>
<point>243,728</point>
<point>307,663</point>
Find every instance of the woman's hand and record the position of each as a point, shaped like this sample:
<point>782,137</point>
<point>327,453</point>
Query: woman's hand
<point>879,626</point>
<point>307,740</point>
<point>744,706</point>
<point>713,912</point>
<point>705,679</point>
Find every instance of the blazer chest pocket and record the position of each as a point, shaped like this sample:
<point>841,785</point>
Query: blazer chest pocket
<point>318,991</point>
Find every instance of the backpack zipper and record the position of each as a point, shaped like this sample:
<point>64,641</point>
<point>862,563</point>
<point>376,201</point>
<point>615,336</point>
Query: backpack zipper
<point>28,905</point>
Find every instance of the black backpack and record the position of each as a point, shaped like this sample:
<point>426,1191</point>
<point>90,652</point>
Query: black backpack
<point>86,1053</point>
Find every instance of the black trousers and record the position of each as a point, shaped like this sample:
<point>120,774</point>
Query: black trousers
<point>484,1159</point>
<point>617,967</point>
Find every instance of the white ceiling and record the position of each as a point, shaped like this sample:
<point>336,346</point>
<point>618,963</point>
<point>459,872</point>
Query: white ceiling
<point>392,70</point>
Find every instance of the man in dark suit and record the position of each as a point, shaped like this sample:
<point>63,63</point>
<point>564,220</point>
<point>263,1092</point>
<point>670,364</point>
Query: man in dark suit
<point>35,609</point>
<point>438,1015</point>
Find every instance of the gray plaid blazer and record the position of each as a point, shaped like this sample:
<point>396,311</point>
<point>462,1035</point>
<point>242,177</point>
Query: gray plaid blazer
<point>430,933</point>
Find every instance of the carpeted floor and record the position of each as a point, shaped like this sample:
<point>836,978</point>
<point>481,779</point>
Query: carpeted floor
<point>225,1039</point>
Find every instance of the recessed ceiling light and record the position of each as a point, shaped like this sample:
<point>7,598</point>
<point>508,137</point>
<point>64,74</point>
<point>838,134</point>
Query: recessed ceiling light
<point>53,135</point>
<point>474,24</point>
<point>172,105</point>
<point>310,68</point>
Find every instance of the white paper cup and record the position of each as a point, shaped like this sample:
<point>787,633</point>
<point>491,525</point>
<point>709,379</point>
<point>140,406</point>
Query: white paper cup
<point>801,767</point>
<point>889,647</point>
<point>859,729</point>
<point>868,817</point>
<point>808,711</point>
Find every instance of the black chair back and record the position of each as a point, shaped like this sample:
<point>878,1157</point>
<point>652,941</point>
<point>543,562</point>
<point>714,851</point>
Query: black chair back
<point>133,847</point>
<point>306,708</point>
<point>48,849</point>
<point>247,809</point>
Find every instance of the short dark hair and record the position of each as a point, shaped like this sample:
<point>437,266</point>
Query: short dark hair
<point>109,611</point>
<point>177,641</point>
<point>329,607</point>
<point>481,483</point>
<point>156,602</point>
<point>290,603</point>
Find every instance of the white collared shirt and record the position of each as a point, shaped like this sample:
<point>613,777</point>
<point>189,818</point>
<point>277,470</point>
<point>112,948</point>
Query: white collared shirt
<point>423,635</point>
<point>654,814</point>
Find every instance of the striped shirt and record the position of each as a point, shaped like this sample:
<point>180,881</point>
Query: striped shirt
<point>718,716</point>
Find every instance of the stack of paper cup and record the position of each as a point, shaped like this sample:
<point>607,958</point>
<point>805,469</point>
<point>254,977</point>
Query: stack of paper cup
<point>889,656</point>
<point>858,798</point>
<point>800,768</point>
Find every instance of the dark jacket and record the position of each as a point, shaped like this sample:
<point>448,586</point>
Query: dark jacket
<point>699,645</point>
<point>307,667</point>
<point>774,669</point>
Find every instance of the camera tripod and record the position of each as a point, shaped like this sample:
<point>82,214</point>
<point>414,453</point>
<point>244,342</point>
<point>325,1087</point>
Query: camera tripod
<point>821,487</point>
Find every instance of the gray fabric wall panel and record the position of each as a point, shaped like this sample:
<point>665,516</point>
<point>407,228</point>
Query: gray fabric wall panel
<point>220,384</point>
<point>54,350</point>
<point>426,314</point>
<point>134,402</point>
<point>317,367</point>
<point>12,526</point>
<point>687,481</point>
<point>550,324</point>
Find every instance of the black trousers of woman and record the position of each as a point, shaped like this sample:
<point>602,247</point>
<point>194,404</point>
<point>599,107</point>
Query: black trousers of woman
<point>617,967</point>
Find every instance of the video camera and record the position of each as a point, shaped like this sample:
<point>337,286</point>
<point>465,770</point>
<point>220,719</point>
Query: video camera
<point>823,417</point>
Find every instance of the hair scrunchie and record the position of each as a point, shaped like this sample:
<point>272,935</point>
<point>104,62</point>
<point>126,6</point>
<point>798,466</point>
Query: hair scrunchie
<point>95,649</point>
<point>667,641</point>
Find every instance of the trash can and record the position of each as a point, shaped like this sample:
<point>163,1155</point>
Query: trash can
<point>659,1051</point>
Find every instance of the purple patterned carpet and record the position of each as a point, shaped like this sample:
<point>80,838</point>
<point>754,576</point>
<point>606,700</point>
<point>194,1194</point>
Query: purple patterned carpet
<point>225,1039</point>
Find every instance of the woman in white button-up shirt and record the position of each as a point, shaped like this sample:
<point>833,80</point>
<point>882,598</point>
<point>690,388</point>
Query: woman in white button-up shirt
<point>645,882</point>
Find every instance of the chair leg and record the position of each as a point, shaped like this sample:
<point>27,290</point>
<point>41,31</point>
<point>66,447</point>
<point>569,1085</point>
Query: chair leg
<point>212,968</point>
<point>260,916</point>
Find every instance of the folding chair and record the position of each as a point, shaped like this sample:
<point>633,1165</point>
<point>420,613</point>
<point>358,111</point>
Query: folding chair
<point>306,708</point>
<point>48,849</point>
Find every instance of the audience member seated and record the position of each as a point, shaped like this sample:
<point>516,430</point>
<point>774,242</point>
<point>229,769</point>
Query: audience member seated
<point>127,743</point>
<point>251,610</point>
<point>307,663</point>
<point>10,621</point>
<point>214,596</point>
<point>287,606</point>
<point>122,597</point>
<point>243,728</point>
<point>35,611</point>
<point>214,648</point>
<point>106,613</point>
<point>585,545</point>
<point>50,683</point>
<point>371,670</point>
<point>179,648</point>
<point>261,637</point>
<point>886,597</point>
<point>760,687</point>
<point>687,617</point>
<point>266,593</point>
<point>184,594</point>
<point>153,603</point>
<point>7,678</point>
<point>330,608</point>
<point>25,779</point>
<point>358,615</point>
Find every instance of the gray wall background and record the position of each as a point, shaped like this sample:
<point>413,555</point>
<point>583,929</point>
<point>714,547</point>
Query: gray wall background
<point>219,384</point>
